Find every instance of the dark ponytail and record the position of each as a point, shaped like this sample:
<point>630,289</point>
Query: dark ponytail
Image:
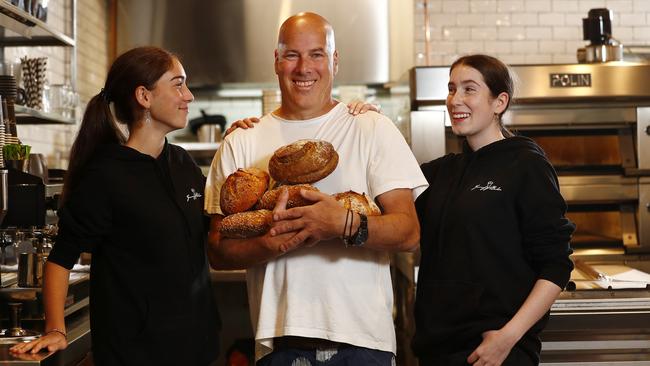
<point>141,66</point>
<point>97,128</point>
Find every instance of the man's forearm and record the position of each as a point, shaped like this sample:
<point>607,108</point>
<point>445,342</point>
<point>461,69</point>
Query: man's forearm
<point>231,254</point>
<point>398,229</point>
<point>397,232</point>
<point>226,253</point>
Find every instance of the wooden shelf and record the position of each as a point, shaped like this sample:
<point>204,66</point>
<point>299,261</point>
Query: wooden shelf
<point>23,29</point>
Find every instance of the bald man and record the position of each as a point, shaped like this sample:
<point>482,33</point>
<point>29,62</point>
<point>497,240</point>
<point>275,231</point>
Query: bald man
<point>313,296</point>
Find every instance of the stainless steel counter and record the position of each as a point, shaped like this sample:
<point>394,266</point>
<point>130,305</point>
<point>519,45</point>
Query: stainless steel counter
<point>598,327</point>
<point>228,276</point>
<point>78,328</point>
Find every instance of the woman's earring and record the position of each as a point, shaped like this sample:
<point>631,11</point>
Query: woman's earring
<point>147,116</point>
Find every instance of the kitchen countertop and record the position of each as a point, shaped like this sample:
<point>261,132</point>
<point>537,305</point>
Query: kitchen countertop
<point>78,328</point>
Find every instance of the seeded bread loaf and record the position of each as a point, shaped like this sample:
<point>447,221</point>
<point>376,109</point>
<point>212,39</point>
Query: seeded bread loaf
<point>242,189</point>
<point>247,224</point>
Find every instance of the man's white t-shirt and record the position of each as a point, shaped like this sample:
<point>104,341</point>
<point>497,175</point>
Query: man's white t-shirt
<point>326,291</point>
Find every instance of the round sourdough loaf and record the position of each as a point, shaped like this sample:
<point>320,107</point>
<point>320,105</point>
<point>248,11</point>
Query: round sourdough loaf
<point>359,203</point>
<point>269,198</point>
<point>242,189</point>
<point>247,224</point>
<point>304,161</point>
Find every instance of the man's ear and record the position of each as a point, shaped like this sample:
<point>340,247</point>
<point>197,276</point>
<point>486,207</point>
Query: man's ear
<point>277,60</point>
<point>335,60</point>
<point>502,102</point>
<point>143,96</point>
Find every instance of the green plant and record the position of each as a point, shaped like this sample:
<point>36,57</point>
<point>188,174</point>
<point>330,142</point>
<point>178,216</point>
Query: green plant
<point>16,151</point>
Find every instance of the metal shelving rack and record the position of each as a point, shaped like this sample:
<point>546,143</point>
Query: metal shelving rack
<point>29,31</point>
<point>19,28</point>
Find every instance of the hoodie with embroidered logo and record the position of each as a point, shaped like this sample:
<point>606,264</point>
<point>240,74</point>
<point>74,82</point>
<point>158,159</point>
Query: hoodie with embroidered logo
<point>493,223</point>
<point>142,219</point>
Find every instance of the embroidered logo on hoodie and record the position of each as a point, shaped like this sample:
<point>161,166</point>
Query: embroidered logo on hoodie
<point>488,187</point>
<point>195,195</point>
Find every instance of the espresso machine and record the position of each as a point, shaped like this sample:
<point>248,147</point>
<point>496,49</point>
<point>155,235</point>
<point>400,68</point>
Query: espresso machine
<point>29,199</point>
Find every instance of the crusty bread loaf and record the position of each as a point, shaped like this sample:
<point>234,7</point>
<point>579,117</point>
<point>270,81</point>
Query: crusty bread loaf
<point>242,189</point>
<point>247,224</point>
<point>269,198</point>
<point>304,161</point>
<point>359,203</point>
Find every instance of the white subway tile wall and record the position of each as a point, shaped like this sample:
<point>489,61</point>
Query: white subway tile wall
<point>517,31</point>
<point>54,141</point>
<point>520,31</point>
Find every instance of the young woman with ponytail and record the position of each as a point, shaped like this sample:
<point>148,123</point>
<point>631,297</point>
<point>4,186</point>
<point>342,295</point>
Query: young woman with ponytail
<point>135,202</point>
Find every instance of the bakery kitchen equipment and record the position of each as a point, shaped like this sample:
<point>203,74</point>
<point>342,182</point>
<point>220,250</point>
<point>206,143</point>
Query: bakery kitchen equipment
<point>208,127</point>
<point>593,121</point>
<point>597,29</point>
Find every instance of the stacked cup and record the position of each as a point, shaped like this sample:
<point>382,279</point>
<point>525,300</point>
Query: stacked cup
<point>34,80</point>
<point>8,92</point>
<point>2,144</point>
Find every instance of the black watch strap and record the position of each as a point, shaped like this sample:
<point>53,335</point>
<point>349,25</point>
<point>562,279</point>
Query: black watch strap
<point>361,236</point>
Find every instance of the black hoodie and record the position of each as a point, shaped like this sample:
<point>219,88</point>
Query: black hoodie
<point>492,224</point>
<point>142,218</point>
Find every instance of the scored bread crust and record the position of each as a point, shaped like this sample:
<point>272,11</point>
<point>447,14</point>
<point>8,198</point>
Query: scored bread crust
<point>357,202</point>
<point>247,224</point>
<point>304,161</point>
<point>242,189</point>
<point>269,198</point>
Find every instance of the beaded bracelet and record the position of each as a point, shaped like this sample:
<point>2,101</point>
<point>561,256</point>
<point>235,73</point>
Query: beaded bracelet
<point>55,330</point>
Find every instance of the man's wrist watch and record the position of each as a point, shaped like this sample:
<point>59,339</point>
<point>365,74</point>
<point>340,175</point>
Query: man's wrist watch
<point>361,236</point>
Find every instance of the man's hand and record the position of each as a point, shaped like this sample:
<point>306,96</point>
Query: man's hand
<point>288,239</point>
<point>320,221</point>
<point>226,253</point>
<point>494,349</point>
<point>245,124</point>
<point>359,107</point>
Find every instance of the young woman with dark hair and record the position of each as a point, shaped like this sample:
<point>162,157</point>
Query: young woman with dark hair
<point>494,237</point>
<point>136,204</point>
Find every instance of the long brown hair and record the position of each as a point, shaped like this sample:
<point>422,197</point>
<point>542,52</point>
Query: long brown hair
<point>497,77</point>
<point>141,66</point>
